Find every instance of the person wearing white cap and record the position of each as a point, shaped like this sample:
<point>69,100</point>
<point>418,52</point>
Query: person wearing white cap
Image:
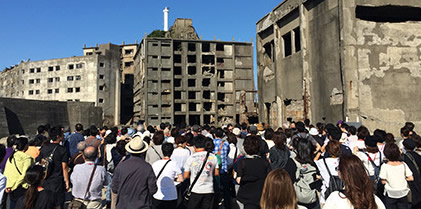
<point>134,181</point>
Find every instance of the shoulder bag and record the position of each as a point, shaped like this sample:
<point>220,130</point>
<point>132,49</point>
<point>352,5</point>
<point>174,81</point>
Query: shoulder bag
<point>187,193</point>
<point>78,204</point>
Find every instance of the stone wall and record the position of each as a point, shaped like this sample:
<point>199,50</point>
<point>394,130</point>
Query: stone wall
<point>20,116</point>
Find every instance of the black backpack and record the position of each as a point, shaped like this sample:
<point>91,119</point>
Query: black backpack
<point>375,179</point>
<point>335,183</point>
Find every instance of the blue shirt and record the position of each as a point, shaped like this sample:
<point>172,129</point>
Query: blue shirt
<point>74,139</point>
<point>80,178</point>
<point>224,153</point>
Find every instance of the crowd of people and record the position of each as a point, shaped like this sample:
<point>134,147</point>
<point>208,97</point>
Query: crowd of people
<point>298,165</point>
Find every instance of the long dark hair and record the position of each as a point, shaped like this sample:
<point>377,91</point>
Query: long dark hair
<point>21,144</point>
<point>33,177</point>
<point>354,175</point>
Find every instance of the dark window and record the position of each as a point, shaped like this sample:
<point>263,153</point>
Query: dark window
<point>206,82</point>
<point>128,64</point>
<point>191,82</point>
<point>297,40</point>
<point>177,95</point>
<point>177,70</point>
<point>206,94</point>
<point>287,44</point>
<point>77,89</point>
<point>31,92</point>
<point>49,91</point>
<point>177,107</point>
<point>191,47</point>
<point>70,78</point>
<point>57,90</point>
<point>31,70</point>
<point>70,67</point>
<point>50,68</point>
<point>36,91</point>
<point>79,65</point>
<point>101,88</point>
<point>177,58</point>
<point>192,107</point>
<point>69,90</point>
<point>388,13</point>
<point>177,82</point>
<point>50,80</point>
<point>206,47</point>
<point>100,100</point>
<point>128,51</point>
<point>192,95</point>
<point>77,77</point>
<point>219,47</point>
<point>38,80</point>
<point>31,81</point>
<point>191,59</point>
<point>38,70</point>
<point>57,79</point>
<point>57,67</point>
<point>207,106</point>
<point>208,59</point>
<point>101,76</point>
<point>191,70</point>
<point>101,64</point>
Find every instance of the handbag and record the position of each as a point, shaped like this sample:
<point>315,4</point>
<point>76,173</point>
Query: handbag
<point>78,204</point>
<point>187,193</point>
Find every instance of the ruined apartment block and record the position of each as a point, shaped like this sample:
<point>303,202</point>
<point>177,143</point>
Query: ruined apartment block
<point>341,59</point>
<point>94,77</point>
<point>191,81</point>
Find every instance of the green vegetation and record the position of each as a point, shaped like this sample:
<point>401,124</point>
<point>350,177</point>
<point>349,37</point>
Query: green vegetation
<point>157,34</point>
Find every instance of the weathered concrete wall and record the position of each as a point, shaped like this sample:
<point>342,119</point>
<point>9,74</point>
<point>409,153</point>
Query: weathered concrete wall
<point>383,68</point>
<point>20,116</point>
<point>361,67</point>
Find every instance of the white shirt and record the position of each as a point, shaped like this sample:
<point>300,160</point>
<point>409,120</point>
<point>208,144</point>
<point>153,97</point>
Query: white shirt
<point>270,143</point>
<point>367,164</point>
<point>204,184</point>
<point>166,181</point>
<point>231,155</point>
<point>395,176</point>
<point>2,185</point>
<point>179,156</point>
<point>332,164</point>
<point>338,200</point>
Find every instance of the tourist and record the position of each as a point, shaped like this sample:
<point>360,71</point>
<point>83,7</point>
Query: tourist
<point>269,134</point>
<point>280,156</point>
<point>372,160</point>
<point>328,167</point>
<point>75,138</point>
<point>234,151</point>
<point>201,184</point>
<point>77,158</point>
<point>166,172</point>
<point>9,150</point>
<point>278,180</point>
<point>356,193</point>
<point>306,180</point>
<point>180,153</point>
<point>154,152</point>
<point>362,132</point>
<point>222,148</point>
<point>34,146</point>
<point>106,160</point>
<point>394,175</point>
<point>89,174</point>
<point>134,181</point>
<point>118,152</point>
<point>413,160</point>
<point>252,171</point>
<point>92,139</point>
<point>36,196</point>
<point>57,179</point>
<point>2,177</point>
<point>15,171</point>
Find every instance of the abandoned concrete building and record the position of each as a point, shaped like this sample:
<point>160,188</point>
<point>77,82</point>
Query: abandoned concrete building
<point>182,79</point>
<point>331,60</point>
<point>94,77</point>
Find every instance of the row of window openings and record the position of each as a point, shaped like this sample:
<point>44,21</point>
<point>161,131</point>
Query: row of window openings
<point>192,70</point>
<point>50,91</point>
<point>57,68</point>
<point>192,46</point>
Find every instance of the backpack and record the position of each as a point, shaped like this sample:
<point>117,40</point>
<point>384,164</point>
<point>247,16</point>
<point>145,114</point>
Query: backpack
<point>375,179</point>
<point>335,183</point>
<point>304,184</point>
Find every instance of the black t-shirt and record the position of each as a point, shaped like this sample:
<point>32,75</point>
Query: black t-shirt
<point>253,172</point>
<point>60,156</point>
<point>45,200</point>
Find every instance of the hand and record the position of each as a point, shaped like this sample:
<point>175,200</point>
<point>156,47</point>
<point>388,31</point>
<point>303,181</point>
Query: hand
<point>8,190</point>
<point>67,186</point>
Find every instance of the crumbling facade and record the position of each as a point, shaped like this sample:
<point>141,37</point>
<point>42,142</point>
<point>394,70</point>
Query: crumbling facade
<point>358,60</point>
<point>94,77</point>
<point>183,80</point>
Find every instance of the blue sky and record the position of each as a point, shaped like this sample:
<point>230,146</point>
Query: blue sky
<point>48,29</point>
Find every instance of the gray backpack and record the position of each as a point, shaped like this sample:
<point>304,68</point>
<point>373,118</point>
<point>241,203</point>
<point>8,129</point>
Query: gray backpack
<point>304,177</point>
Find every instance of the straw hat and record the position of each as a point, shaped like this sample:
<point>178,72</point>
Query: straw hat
<point>137,145</point>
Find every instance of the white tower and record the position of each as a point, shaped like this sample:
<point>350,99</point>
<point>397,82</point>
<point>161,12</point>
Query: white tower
<point>166,10</point>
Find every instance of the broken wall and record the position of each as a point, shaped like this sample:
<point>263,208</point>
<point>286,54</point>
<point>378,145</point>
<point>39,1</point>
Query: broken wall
<point>383,62</point>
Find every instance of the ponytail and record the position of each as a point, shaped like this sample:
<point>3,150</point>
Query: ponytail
<point>33,177</point>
